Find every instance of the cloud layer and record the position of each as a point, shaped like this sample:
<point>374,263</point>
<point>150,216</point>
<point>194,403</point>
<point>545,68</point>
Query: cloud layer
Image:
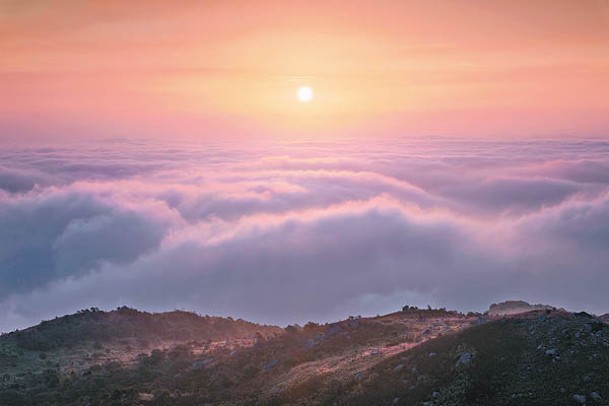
<point>285,233</point>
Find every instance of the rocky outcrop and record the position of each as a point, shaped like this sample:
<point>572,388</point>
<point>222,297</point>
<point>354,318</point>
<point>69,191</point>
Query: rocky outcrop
<point>512,307</point>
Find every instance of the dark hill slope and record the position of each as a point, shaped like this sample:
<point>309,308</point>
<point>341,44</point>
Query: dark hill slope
<point>533,359</point>
<point>126,323</point>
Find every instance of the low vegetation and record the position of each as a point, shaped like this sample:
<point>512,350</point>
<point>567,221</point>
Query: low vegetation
<point>413,357</point>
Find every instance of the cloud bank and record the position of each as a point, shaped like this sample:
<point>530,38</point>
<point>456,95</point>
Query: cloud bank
<point>284,233</point>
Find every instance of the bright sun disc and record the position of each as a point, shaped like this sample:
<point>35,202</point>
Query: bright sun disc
<point>305,93</point>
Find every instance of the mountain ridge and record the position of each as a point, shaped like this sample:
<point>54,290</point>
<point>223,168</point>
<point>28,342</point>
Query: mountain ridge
<point>409,357</point>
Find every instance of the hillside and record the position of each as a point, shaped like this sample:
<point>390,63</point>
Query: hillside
<point>129,324</point>
<point>67,346</point>
<point>538,358</point>
<point>413,357</point>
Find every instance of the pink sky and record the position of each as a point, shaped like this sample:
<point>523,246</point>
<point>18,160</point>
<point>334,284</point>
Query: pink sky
<point>217,69</point>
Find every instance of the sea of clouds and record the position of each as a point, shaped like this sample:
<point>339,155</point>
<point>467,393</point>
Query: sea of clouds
<point>291,232</point>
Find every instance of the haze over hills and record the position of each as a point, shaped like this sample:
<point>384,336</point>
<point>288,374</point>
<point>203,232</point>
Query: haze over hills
<point>537,356</point>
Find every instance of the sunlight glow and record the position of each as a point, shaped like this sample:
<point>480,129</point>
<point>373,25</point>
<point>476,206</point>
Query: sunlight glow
<point>305,94</point>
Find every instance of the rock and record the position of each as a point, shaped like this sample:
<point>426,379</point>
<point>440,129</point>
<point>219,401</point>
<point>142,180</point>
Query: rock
<point>464,359</point>
<point>398,368</point>
<point>271,364</point>
<point>431,354</point>
<point>552,352</point>
<point>580,399</point>
<point>596,396</point>
<point>514,307</point>
<point>395,401</point>
<point>436,394</point>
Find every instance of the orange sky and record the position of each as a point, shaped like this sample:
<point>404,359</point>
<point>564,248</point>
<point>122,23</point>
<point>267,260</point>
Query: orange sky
<point>209,69</point>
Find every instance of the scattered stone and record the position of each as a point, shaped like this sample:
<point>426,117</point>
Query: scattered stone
<point>436,394</point>
<point>596,396</point>
<point>464,359</point>
<point>552,352</point>
<point>395,401</point>
<point>271,364</point>
<point>398,368</point>
<point>432,354</point>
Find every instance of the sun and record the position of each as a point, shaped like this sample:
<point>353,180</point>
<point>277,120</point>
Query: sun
<point>304,94</point>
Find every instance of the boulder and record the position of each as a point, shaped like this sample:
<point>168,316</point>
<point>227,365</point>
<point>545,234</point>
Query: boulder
<point>579,399</point>
<point>464,359</point>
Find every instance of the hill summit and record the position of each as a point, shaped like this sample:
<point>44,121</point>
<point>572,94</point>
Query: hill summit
<point>511,307</point>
